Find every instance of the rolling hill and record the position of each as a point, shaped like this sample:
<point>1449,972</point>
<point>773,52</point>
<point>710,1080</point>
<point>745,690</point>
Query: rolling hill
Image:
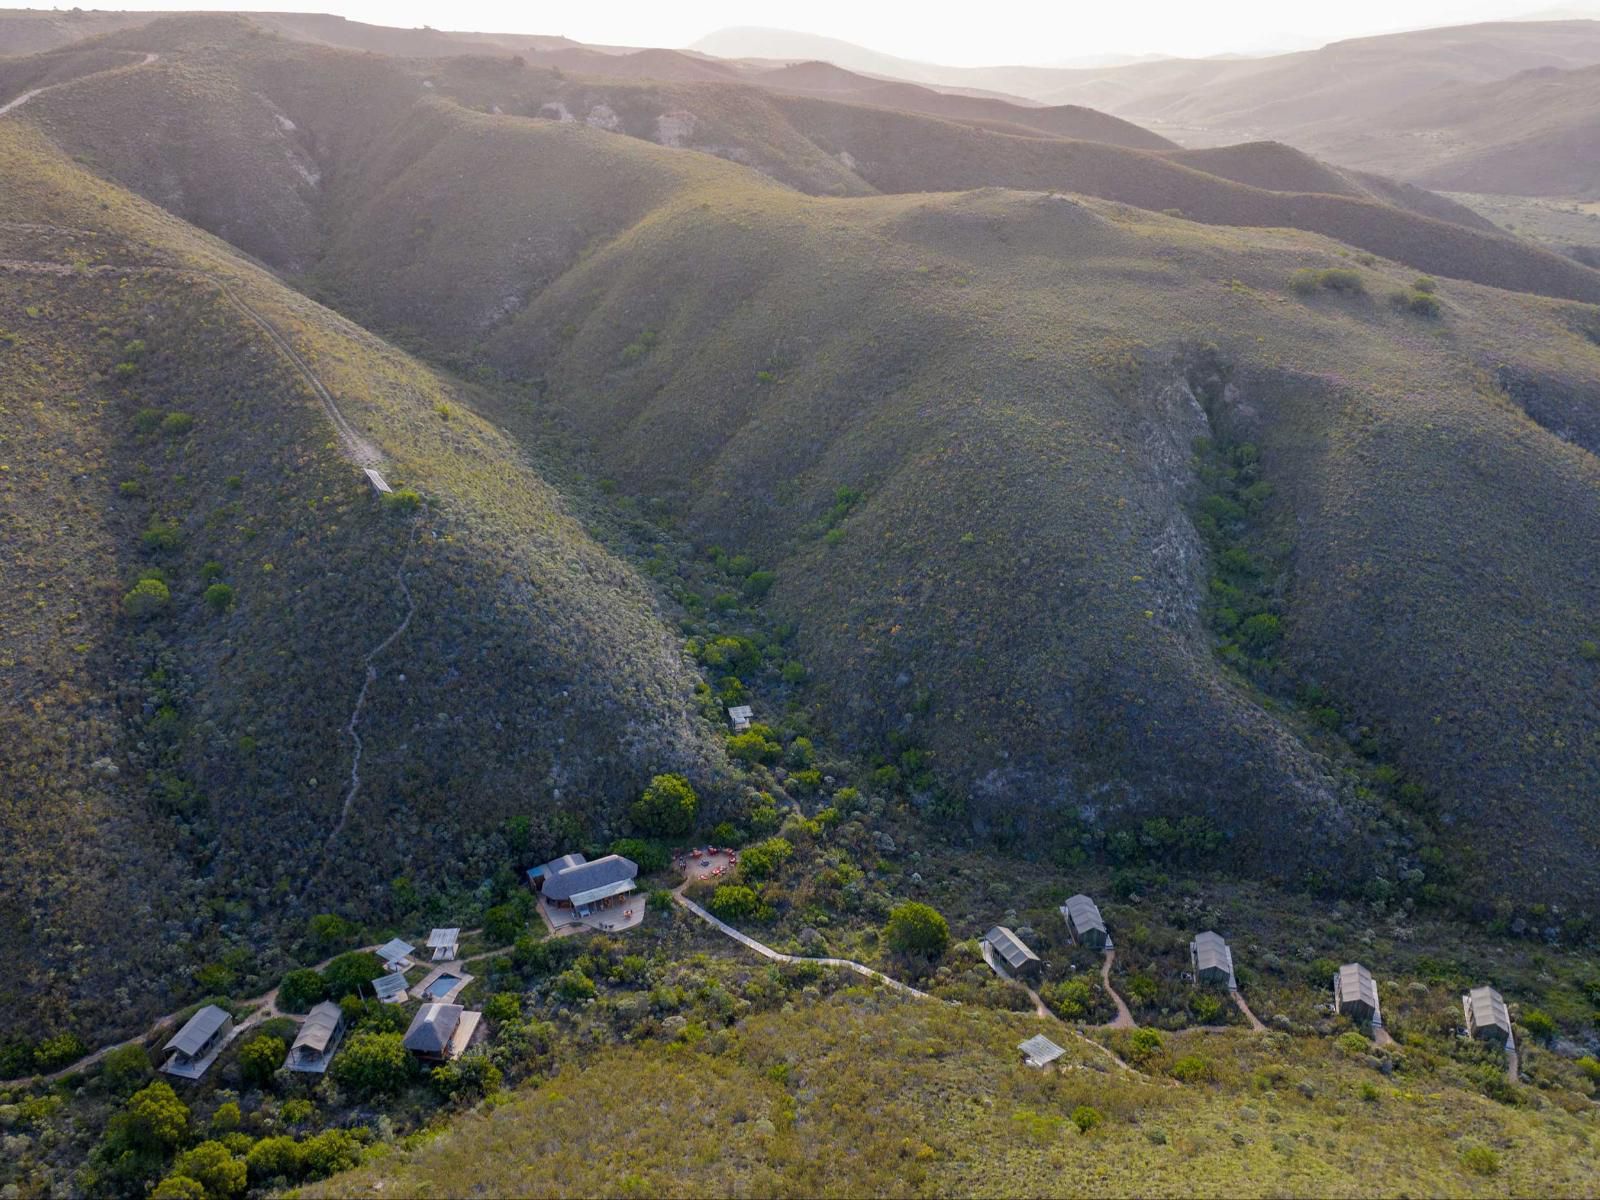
<point>179,772</point>
<point>999,445</point>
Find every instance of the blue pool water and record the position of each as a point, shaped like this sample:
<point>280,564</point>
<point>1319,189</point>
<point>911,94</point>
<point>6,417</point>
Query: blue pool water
<point>441,985</point>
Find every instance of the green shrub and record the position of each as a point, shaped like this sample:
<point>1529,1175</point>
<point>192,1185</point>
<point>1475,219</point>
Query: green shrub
<point>764,858</point>
<point>1421,304</point>
<point>1086,1118</point>
<point>1353,1043</point>
<point>215,1168</point>
<point>1539,1023</point>
<point>402,500</point>
<point>179,1187</point>
<point>300,989</point>
<point>573,985</point>
<point>373,1064</point>
<point>471,1077</point>
<point>1191,1068</point>
<point>650,857</point>
<point>161,537</point>
<point>220,597</point>
<point>502,1007</point>
<point>1423,283</point>
<point>1144,1044</point>
<point>227,1117</point>
<point>1206,1007</point>
<point>734,902</point>
<point>753,747</point>
<point>125,1067</point>
<point>1480,1159</point>
<point>147,420</point>
<point>147,598</point>
<point>274,1158</point>
<point>667,808</point>
<point>660,901</point>
<point>56,1052</point>
<point>328,1153</point>
<point>260,1058</point>
<point>176,424</point>
<point>1307,280</point>
<point>504,924</point>
<point>153,1118</point>
<point>328,931</point>
<point>349,973</point>
<point>758,583</point>
<point>916,928</point>
<point>1070,998</point>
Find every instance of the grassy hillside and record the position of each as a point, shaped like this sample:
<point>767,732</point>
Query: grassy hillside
<point>1007,387</point>
<point>196,578</point>
<point>859,1094</point>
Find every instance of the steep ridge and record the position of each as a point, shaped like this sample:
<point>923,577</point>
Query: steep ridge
<point>176,752</point>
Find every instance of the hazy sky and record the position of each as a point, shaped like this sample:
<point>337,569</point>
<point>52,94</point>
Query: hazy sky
<point>966,34</point>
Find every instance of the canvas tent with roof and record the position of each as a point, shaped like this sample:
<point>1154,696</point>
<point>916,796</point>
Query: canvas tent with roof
<point>1011,949</point>
<point>1212,960</point>
<point>587,886</point>
<point>442,1032</point>
<point>1085,924</point>
<point>196,1046</point>
<point>1039,1051</point>
<point>1355,992</point>
<point>318,1038</point>
<point>1486,1015</point>
<point>445,944</point>
<point>740,716</point>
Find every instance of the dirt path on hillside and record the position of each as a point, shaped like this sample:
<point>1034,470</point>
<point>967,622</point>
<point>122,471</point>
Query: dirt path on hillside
<point>1245,1009</point>
<point>18,102</point>
<point>1124,1018</point>
<point>777,956</point>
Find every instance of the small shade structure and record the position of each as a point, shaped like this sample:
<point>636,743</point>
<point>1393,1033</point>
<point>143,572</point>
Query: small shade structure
<point>1018,958</point>
<point>391,989</point>
<point>1039,1051</point>
<point>445,944</point>
<point>1355,993</point>
<point>380,485</point>
<point>396,954</point>
<point>1085,924</point>
<point>196,1046</point>
<point>442,1032</point>
<point>1486,1016</point>
<point>318,1038</point>
<point>740,716</point>
<point>1212,960</point>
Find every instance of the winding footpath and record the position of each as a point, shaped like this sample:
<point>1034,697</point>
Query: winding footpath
<point>18,102</point>
<point>768,952</point>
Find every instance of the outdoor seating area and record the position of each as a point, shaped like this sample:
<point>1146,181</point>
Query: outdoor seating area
<point>705,862</point>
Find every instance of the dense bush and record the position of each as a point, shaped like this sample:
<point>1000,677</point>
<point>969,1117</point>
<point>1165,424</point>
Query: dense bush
<point>916,928</point>
<point>349,973</point>
<point>215,1168</point>
<point>1332,279</point>
<point>125,1066</point>
<point>503,924</point>
<point>154,1118</point>
<point>260,1058</point>
<point>274,1158</point>
<point>147,598</point>
<point>667,808</point>
<point>300,989</point>
<point>219,596</point>
<point>1422,304</point>
<point>1086,1117</point>
<point>650,857</point>
<point>373,1064</point>
<point>761,860</point>
<point>735,902</point>
<point>1191,1068</point>
<point>573,985</point>
<point>753,746</point>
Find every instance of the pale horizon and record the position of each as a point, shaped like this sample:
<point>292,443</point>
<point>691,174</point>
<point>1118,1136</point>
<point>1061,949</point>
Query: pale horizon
<point>1028,34</point>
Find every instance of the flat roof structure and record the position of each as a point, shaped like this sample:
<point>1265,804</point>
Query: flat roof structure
<point>740,716</point>
<point>395,950</point>
<point>378,482</point>
<point>391,989</point>
<point>1011,948</point>
<point>1039,1051</point>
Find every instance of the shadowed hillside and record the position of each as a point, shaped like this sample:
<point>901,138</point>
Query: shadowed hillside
<point>197,576</point>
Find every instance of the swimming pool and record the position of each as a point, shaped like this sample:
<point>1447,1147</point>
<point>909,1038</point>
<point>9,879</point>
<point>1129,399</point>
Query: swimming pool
<point>441,986</point>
